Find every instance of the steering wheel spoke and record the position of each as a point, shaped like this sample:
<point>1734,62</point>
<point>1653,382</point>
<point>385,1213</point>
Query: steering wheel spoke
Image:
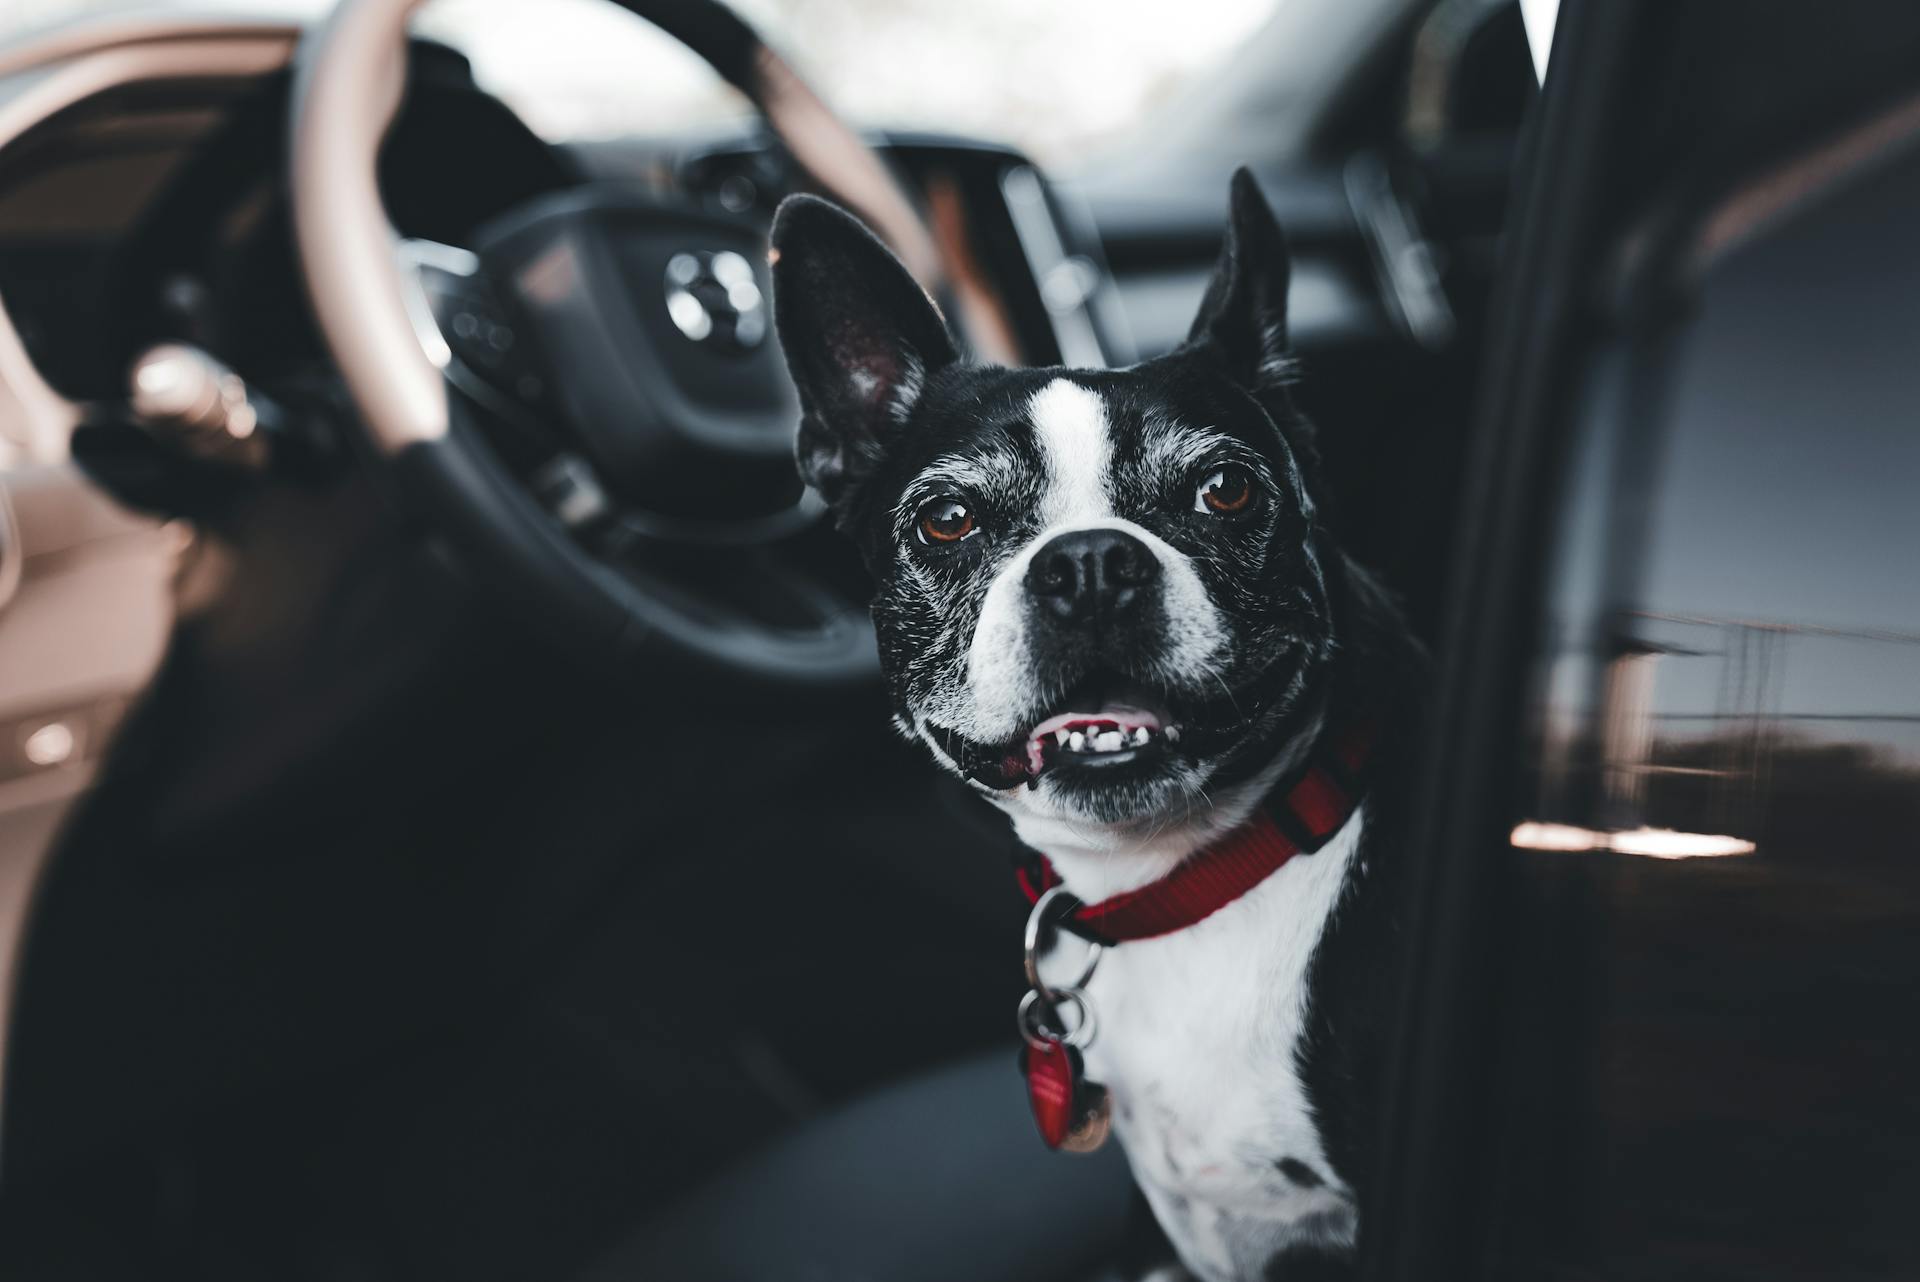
<point>468,331</point>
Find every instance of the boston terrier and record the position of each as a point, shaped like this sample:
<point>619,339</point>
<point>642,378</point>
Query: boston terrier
<point>1111,600</point>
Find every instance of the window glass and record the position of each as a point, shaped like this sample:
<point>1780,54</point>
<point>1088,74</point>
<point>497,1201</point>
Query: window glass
<point>1057,78</point>
<point>1719,1012</point>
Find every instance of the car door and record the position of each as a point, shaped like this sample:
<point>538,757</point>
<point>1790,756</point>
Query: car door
<point>1668,1012</point>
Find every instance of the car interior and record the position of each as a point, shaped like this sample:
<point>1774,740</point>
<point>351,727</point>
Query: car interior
<point>449,821</point>
<point>407,927</point>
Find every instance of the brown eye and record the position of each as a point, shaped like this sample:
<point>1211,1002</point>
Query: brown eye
<point>944,521</point>
<point>1228,490</point>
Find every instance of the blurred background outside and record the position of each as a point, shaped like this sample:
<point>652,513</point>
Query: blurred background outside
<point>1066,80</point>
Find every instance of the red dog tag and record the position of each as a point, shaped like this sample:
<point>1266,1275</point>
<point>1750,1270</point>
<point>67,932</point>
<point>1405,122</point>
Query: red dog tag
<point>1072,1113</point>
<point>1052,1070</point>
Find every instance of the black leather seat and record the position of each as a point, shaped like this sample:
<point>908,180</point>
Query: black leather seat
<point>940,1178</point>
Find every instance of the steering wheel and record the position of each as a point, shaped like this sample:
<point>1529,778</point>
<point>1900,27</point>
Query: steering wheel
<point>571,399</point>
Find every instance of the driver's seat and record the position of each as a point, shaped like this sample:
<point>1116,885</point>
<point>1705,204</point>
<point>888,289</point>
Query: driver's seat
<point>939,1179</point>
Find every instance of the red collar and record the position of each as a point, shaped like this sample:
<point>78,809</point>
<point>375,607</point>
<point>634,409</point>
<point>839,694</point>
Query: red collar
<point>1297,821</point>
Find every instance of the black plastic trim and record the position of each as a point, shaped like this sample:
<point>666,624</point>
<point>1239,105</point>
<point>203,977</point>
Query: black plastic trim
<point>1429,1217</point>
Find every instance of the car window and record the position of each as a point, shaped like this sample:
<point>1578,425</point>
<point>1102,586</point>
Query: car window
<point>1719,1002</point>
<point>1058,79</point>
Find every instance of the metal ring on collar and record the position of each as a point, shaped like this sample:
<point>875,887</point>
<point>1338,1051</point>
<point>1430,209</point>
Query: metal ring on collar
<point>1037,1033</point>
<point>1051,906</point>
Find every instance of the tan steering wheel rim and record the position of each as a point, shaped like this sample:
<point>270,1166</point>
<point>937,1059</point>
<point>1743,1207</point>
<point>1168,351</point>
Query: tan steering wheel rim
<point>349,78</point>
<point>351,75</point>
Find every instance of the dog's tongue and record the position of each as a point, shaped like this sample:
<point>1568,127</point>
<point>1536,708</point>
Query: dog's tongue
<point>1125,716</point>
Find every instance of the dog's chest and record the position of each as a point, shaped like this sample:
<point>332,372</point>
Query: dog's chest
<point>1199,1041</point>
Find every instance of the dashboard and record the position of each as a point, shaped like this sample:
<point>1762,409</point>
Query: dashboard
<point>158,212</point>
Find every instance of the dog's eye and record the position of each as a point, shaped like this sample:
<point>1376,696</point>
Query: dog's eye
<point>945,520</point>
<point>1228,490</point>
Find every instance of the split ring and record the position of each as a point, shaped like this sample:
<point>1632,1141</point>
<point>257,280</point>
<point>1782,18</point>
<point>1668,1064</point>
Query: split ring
<point>1039,1035</point>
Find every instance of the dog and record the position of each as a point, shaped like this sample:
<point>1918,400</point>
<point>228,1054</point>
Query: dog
<point>1111,601</point>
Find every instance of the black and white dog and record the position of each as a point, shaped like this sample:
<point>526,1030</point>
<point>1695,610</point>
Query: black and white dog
<point>1111,601</point>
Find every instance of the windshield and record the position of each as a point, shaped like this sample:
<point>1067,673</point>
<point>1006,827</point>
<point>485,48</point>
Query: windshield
<point>1061,79</point>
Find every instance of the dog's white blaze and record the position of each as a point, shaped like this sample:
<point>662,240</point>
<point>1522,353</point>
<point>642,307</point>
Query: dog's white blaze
<point>1070,422</point>
<point>1199,1036</point>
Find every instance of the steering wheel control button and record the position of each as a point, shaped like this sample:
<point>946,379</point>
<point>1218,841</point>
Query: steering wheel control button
<point>712,297</point>
<point>569,489</point>
<point>690,317</point>
<point>737,194</point>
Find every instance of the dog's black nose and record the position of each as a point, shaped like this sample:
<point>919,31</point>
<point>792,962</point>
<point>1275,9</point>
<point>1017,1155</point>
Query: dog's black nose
<point>1091,574</point>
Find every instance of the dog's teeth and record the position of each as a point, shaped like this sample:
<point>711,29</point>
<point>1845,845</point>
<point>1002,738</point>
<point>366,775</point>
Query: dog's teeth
<point>1173,733</point>
<point>1077,741</point>
<point>1140,735</point>
<point>1110,741</point>
<point>1060,737</point>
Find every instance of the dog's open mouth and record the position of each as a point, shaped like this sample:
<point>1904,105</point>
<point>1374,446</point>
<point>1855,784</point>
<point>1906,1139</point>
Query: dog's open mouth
<point>1112,735</point>
<point>1108,732</point>
<point>1104,726</point>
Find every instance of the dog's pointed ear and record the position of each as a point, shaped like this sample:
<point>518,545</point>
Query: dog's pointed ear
<point>860,335</point>
<point>1243,317</point>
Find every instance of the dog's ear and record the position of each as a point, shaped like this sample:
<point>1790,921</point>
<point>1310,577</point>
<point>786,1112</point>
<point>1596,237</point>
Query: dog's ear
<point>860,335</point>
<point>1242,323</point>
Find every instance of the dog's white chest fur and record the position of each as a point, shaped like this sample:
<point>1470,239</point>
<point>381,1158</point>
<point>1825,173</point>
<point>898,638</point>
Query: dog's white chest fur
<point>1198,1040</point>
